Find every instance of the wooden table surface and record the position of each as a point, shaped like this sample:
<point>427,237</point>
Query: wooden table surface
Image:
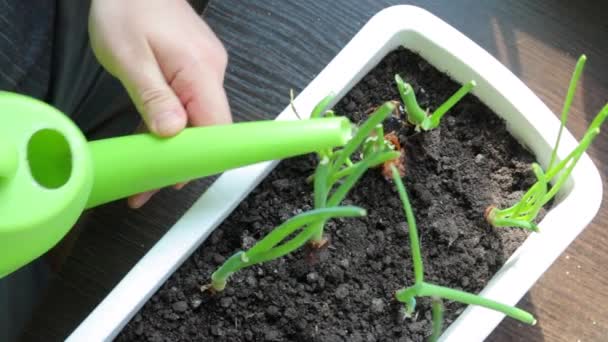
<point>277,45</point>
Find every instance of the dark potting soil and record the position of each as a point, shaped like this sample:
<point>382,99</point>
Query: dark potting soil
<point>347,294</point>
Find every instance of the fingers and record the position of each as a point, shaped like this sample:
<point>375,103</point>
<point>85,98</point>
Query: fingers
<point>173,71</point>
<point>201,93</point>
<point>210,107</point>
<point>180,186</point>
<point>137,201</point>
<point>201,90</point>
<point>158,104</point>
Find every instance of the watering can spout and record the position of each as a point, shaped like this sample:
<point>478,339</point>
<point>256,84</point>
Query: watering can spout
<point>129,165</point>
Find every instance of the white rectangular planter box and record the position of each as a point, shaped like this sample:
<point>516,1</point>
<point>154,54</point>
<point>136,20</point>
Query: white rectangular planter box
<point>528,119</point>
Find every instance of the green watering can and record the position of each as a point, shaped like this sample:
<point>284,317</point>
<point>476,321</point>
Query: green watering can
<point>49,173</point>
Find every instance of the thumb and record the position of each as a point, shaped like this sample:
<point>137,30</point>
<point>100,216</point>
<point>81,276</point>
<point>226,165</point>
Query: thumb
<point>160,108</point>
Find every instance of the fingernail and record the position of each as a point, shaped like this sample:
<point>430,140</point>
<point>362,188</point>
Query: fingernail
<point>138,201</point>
<point>168,123</point>
<point>180,186</point>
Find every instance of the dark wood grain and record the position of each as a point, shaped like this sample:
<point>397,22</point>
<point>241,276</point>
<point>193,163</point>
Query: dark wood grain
<point>277,45</point>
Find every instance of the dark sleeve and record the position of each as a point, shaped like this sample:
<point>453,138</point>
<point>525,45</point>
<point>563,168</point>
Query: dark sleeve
<point>26,40</point>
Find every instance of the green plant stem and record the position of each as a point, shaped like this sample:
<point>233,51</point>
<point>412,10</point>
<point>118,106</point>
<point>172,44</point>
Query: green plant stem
<point>341,192</point>
<point>435,118</point>
<point>285,248</point>
<point>419,117</point>
<point>322,107</point>
<point>511,222</point>
<point>591,133</point>
<point>415,114</point>
<point>411,224</point>
<point>531,202</point>
<point>289,226</point>
<point>380,136</point>
<point>309,226</point>
<point>221,275</point>
<point>424,289</point>
<point>567,165</point>
<point>350,180</point>
<point>362,133</point>
<point>321,184</point>
<point>355,171</point>
<point>525,211</point>
<point>319,231</point>
<point>569,162</point>
<point>321,190</point>
<point>380,159</point>
<point>578,69</point>
<point>437,312</point>
<point>599,119</point>
<point>265,249</point>
<point>369,146</point>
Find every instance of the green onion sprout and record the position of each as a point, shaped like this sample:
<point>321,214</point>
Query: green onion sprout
<point>523,213</point>
<point>336,173</point>
<point>437,314</point>
<point>334,176</point>
<point>419,117</point>
<point>270,247</point>
<point>423,289</point>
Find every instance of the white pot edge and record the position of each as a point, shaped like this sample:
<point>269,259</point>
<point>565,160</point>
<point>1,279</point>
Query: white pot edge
<point>448,50</point>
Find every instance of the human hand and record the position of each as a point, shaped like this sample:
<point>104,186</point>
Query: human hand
<point>167,58</point>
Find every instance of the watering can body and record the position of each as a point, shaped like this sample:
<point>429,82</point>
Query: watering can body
<point>49,173</point>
